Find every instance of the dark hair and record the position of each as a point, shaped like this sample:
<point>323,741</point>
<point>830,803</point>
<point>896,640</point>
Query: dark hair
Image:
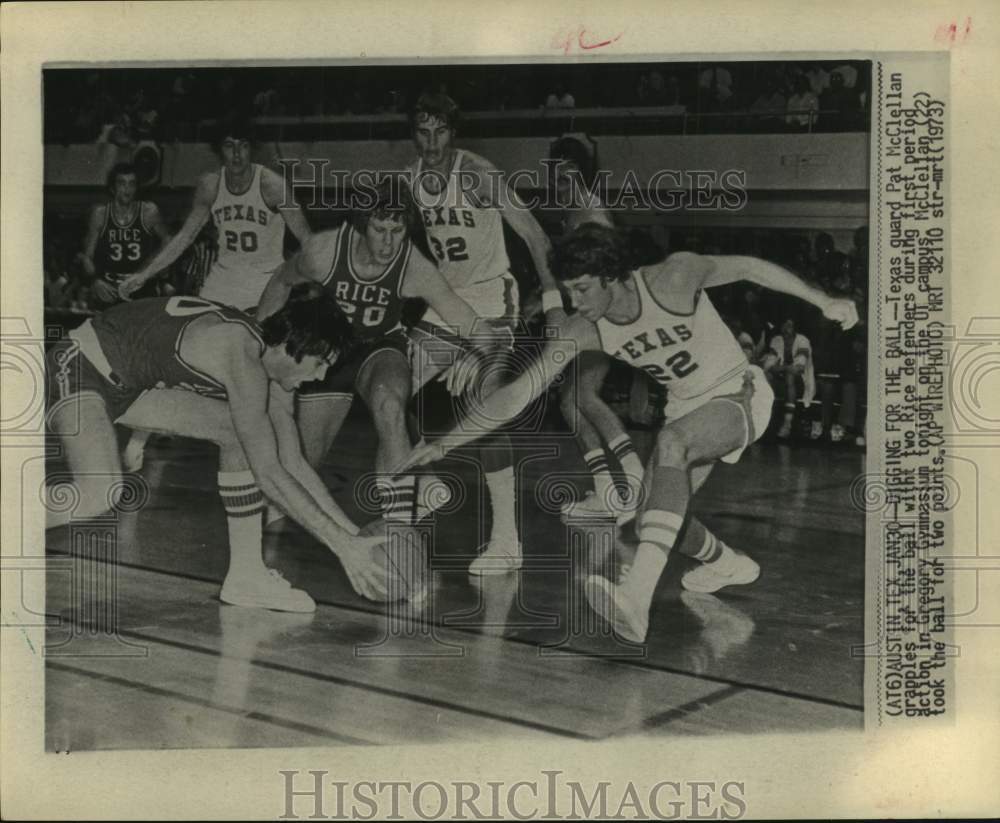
<point>576,152</point>
<point>310,322</point>
<point>120,169</point>
<point>591,249</point>
<point>394,201</point>
<point>235,124</point>
<point>434,104</point>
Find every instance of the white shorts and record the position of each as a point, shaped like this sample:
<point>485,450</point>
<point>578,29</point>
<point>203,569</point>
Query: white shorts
<point>494,298</point>
<point>757,413</point>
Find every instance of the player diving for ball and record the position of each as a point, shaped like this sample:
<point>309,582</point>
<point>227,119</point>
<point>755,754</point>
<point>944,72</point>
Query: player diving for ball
<point>659,318</point>
<point>191,367</point>
<point>463,200</point>
<point>370,265</point>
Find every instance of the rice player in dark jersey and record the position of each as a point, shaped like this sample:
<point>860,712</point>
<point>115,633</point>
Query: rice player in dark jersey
<point>370,265</point>
<point>191,367</point>
<point>658,318</point>
<point>123,234</point>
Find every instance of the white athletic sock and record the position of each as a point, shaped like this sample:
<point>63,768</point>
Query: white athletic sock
<point>647,566</point>
<point>624,451</point>
<point>244,505</point>
<point>502,497</point>
<point>597,462</point>
<point>398,497</point>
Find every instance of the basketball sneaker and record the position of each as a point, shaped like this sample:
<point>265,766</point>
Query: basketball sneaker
<point>816,430</point>
<point>500,557</point>
<point>265,591</point>
<point>611,602</point>
<point>595,507</point>
<point>836,433</point>
<point>732,569</point>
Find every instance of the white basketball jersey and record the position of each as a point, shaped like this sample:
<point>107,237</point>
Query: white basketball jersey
<point>251,242</point>
<point>466,239</point>
<point>690,354</point>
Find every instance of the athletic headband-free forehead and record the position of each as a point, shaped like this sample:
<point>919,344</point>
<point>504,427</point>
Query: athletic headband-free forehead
<point>425,118</point>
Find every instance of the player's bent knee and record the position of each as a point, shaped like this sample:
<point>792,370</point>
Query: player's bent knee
<point>673,449</point>
<point>388,406</point>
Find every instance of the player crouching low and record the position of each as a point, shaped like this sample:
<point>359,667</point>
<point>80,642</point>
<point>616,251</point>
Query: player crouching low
<point>659,319</point>
<point>195,368</point>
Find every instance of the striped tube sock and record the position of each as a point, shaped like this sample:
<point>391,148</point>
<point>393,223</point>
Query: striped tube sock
<point>244,505</point>
<point>624,451</point>
<point>657,535</point>
<point>699,543</point>
<point>399,497</point>
<point>597,462</point>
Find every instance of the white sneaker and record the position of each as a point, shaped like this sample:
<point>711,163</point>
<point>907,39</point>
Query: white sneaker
<point>592,507</point>
<point>816,430</point>
<point>611,601</point>
<point>498,559</point>
<point>267,591</point>
<point>733,570</point>
<point>836,433</point>
<point>786,429</point>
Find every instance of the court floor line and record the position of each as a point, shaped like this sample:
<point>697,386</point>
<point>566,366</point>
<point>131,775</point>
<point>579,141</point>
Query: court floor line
<point>356,684</point>
<point>263,717</point>
<point>566,649</point>
<point>690,708</point>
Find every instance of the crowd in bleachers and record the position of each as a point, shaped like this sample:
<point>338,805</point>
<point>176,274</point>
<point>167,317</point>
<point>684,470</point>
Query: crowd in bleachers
<point>128,106</point>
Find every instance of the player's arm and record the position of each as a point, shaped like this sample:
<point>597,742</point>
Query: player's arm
<point>153,220</point>
<point>494,191</point>
<point>201,207</point>
<point>278,195</point>
<point>310,263</point>
<point>423,279</point>
<point>96,220</point>
<point>281,409</point>
<point>507,402</point>
<point>718,270</point>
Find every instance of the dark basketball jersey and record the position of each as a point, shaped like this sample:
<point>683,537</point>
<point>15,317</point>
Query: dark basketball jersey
<point>123,248</point>
<point>142,342</point>
<point>374,307</point>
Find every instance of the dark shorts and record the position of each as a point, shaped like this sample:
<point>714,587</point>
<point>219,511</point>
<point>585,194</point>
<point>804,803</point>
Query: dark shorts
<point>69,374</point>
<point>341,377</point>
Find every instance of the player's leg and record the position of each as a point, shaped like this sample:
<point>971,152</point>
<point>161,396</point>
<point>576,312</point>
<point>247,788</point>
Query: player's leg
<point>319,417</point>
<point>503,552</point>
<point>699,437</point>
<point>583,409</point>
<point>90,449</point>
<point>384,382</point>
<point>249,582</point>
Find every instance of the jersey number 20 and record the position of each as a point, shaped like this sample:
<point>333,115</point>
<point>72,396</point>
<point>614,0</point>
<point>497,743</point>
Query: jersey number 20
<point>245,241</point>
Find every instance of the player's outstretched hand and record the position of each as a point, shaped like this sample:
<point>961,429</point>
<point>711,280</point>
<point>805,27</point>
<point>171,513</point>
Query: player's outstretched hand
<point>104,291</point>
<point>129,285</point>
<point>361,570</point>
<point>843,310</point>
<point>463,374</point>
<point>421,456</point>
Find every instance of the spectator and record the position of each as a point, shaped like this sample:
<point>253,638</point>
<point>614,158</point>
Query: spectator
<point>840,105</point>
<point>715,89</point>
<point>802,105</point>
<point>769,106</point>
<point>560,98</point>
<point>819,79</point>
<point>789,366</point>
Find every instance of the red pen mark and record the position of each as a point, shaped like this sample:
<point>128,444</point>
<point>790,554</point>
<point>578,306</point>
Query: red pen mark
<point>577,37</point>
<point>951,34</point>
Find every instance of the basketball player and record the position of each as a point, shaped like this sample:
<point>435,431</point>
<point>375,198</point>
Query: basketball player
<point>595,423</point>
<point>123,233</point>
<point>463,201</point>
<point>370,265</point>
<point>250,206</point>
<point>659,318</point>
<point>191,367</point>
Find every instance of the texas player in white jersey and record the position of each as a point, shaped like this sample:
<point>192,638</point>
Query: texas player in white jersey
<point>250,206</point>
<point>658,318</point>
<point>464,200</point>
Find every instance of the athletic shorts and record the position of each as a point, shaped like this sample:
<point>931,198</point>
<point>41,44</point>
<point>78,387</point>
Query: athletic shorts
<point>69,374</point>
<point>341,377</point>
<point>756,407</point>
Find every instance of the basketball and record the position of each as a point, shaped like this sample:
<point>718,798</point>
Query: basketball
<point>402,561</point>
